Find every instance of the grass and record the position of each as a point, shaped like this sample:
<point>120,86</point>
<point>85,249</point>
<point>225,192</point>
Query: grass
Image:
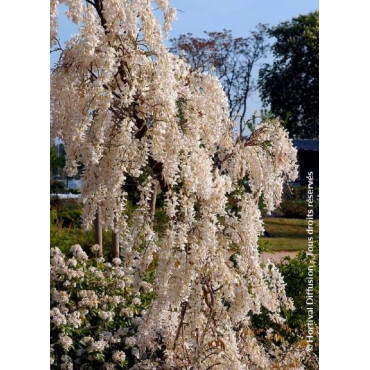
<point>288,234</point>
<point>285,234</point>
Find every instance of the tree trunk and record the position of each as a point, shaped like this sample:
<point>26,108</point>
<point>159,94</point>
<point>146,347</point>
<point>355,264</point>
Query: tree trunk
<point>99,231</point>
<point>115,243</point>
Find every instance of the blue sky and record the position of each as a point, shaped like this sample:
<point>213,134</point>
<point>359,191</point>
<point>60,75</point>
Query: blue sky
<point>240,16</point>
<point>237,15</point>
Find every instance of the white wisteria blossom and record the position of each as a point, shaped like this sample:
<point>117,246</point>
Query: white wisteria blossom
<point>126,107</point>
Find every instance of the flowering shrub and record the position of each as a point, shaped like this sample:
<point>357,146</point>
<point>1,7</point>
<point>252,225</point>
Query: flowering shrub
<point>94,312</point>
<point>294,331</point>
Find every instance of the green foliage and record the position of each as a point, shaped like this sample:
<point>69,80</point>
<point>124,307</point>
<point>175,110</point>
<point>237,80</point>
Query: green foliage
<point>294,203</point>
<point>297,209</point>
<point>57,187</point>
<point>264,245</point>
<point>57,161</point>
<point>295,329</point>
<point>291,84</point>
<point>295,274</point>
<point>294,208</point>
<point>298,193</point>
<point>65,228</point>
<point>63,238</point>
<point>70,218</point>
<point>161,221</point>
<point>67,213</point>
<point>64,204</point>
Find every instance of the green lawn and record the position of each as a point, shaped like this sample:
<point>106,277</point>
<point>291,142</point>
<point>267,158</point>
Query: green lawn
<point>287,233</point>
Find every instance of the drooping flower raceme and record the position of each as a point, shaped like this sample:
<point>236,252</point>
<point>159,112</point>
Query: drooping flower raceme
<point>126,107</point>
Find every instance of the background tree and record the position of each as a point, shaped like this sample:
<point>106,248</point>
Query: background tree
<point>57,160</point>
<point>232,60</point>
<point>291,84</point>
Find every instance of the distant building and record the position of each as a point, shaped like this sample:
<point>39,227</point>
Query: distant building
<point>308,159</point>
<point>70,183</point>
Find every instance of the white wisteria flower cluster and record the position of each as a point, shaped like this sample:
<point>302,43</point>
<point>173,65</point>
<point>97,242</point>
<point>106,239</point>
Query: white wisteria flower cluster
<point>126,107</point>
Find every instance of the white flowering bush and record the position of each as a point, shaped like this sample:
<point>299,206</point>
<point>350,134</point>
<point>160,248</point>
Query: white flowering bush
<point>125,106</point>
<point>94,312</point>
